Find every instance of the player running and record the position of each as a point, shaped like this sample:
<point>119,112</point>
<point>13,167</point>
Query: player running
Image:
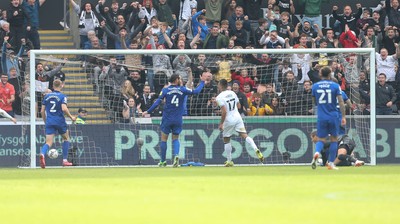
<point>3,113</point>
<point>232,121</point>
<point>172,116</point>
<point>325,93</point>
<point>53,109</point>
<point>345,156</point>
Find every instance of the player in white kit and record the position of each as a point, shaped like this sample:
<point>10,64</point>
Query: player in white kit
<point>232,121</point>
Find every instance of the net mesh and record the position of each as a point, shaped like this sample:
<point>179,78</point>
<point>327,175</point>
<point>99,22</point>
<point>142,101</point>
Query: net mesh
<point>274,92</point>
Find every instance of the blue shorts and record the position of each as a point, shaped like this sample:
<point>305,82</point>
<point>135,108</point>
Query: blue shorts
<point>53,129</point>
<point>171,127</point>
<point>326,127</point>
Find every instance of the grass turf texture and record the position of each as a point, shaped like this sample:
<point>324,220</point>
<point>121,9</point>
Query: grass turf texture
<point>201,195</point>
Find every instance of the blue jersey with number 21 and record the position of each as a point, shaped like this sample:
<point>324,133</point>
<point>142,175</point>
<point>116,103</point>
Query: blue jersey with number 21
<point>325,93</point>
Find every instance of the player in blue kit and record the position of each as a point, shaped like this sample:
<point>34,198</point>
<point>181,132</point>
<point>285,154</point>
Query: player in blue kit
<point>172,117</point>
<point>326,96</point>
<point>53,109</point>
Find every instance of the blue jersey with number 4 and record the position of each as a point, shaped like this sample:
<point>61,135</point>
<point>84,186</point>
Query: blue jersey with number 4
<point>174,102</point>
<point>53,104</point>
<point>325,93</point>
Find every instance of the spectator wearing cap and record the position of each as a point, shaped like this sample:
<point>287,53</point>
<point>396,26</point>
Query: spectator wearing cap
<point>81,119</point>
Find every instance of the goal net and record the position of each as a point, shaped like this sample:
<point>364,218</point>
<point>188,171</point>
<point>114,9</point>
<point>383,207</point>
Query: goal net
<point>114,87</point>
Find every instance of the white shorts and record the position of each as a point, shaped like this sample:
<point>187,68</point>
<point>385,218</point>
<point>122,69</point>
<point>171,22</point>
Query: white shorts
<point>230,127</point>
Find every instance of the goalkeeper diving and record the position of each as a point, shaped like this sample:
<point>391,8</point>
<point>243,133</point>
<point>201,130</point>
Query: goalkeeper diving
<point>345,155</point>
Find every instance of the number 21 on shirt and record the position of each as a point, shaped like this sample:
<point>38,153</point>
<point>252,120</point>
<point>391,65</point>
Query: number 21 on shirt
<point>327,93</point>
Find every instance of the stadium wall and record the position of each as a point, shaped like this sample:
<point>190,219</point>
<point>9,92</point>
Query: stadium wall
<point>200,141</point>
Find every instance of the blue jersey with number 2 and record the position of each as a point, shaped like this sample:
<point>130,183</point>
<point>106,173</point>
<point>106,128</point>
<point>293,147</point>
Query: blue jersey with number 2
<point>325,93</point>
<point>53,104</point>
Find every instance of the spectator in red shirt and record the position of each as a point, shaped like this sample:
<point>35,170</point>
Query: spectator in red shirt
<point>348,39</point>
<point>7,95</point>
<point>243,77</point>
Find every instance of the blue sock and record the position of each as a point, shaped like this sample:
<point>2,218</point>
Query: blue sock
<point>163,147</point>
<point>319,146</point>
<point>45,148</point>
<point>332,151</point>
<point>175,146</point>
<point>65,148</point>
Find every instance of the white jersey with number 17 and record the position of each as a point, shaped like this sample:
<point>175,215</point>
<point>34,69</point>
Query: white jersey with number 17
<point>230,100</point>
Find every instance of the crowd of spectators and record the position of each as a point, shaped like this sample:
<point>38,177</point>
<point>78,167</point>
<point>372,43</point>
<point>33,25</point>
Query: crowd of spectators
<point>266,84</point>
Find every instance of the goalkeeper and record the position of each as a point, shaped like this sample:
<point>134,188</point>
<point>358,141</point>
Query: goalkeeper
<point>345,156</point>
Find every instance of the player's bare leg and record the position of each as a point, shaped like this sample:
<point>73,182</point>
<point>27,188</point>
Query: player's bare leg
<point>65,149</point>
<point>250,141</point>
<point>45,148</point>
<point>228,152</point>
<point>176,146</point>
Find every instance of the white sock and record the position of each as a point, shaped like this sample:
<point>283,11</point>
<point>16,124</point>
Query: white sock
<point>251,143</point>
<point>228,151</point>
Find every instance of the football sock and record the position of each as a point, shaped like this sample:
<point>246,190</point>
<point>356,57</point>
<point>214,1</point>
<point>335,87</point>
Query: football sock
<point>228,151</point>
<point>65,148</point>
<point>333,151</point>
<point>175,147</point>
<point>45,148</point>
<point>319,146</point>
<point>163,147</point>
<point>251,143</point>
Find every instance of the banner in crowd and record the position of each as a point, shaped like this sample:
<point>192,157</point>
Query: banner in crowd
<point>201,141</point>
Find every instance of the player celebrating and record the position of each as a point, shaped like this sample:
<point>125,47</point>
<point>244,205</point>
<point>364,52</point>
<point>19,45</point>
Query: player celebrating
<point>3,113</point>
<point>345,149</point>
<point>53,109</point>
<point>231,121</point>
<point>172,117</point>
<point>325,93</point>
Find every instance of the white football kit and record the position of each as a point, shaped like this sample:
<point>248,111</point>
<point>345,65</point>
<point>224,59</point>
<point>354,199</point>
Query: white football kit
<point>233,120</point>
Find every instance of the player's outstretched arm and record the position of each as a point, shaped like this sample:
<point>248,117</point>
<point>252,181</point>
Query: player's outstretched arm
<point>156,103</point>
<point>66,111</point>
<point>6,115</point>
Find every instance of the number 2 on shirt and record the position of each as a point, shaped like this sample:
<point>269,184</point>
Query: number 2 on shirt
<point>324,92</point>
<point>175,100</point>
<point>53,106</point>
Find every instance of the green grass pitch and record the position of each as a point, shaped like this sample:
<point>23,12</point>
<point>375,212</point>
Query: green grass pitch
<point>285,194</point>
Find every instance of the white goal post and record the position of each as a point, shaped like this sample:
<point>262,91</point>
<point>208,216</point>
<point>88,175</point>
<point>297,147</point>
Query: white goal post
<point>34,54</point>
